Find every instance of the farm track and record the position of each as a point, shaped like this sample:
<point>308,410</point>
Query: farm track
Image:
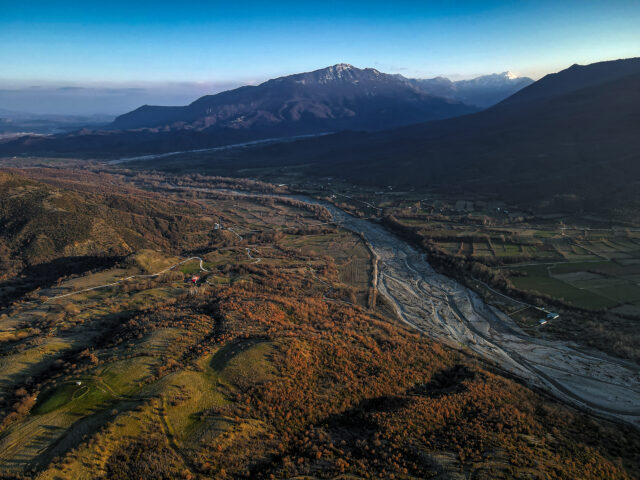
<point>445,310</point>
<point>257,259</point>
<point>171,437</point>
<point>152,275</point>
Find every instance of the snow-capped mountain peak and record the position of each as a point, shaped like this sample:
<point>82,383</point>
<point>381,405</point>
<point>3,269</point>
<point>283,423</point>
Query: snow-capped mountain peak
<point>482,91</point>
<point>343,66</point>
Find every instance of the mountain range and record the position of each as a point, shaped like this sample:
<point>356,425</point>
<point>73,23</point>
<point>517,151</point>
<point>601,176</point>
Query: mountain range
<point>483,91</point>
<point>339,97</point>
<point>332,99</point>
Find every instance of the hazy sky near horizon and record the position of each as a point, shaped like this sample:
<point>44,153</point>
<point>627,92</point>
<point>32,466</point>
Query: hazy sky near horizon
<point>106,57</point>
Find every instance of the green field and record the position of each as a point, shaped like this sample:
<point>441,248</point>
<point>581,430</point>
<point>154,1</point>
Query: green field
<point>59,396</point>
<point>538,280</point>
<point>592,269</point>
<point>592,285</point>
<point>241,361</point>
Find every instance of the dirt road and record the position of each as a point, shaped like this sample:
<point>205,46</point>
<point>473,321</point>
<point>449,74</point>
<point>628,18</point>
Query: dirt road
<point>112,284</point>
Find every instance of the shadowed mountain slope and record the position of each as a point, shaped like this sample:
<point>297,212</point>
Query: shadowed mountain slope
<point>41,221</point>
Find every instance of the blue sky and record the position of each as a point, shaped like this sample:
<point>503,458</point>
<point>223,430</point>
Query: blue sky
<point>190,46</point>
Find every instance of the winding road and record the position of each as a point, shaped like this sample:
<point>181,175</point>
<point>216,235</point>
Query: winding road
<point>117,282</point>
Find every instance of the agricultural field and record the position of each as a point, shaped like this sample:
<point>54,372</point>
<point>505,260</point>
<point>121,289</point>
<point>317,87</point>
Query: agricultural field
<point>586,269</point>
<point>594,285</point>
<point>350,255</point>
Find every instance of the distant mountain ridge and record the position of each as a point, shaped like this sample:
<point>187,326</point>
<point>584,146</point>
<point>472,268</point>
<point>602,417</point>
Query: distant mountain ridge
<point>342,95</point>
<point>335,98</point>
<point>483,91</point>
<point>577,77</point>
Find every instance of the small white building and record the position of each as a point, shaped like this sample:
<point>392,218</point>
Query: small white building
<point>549,316</point>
